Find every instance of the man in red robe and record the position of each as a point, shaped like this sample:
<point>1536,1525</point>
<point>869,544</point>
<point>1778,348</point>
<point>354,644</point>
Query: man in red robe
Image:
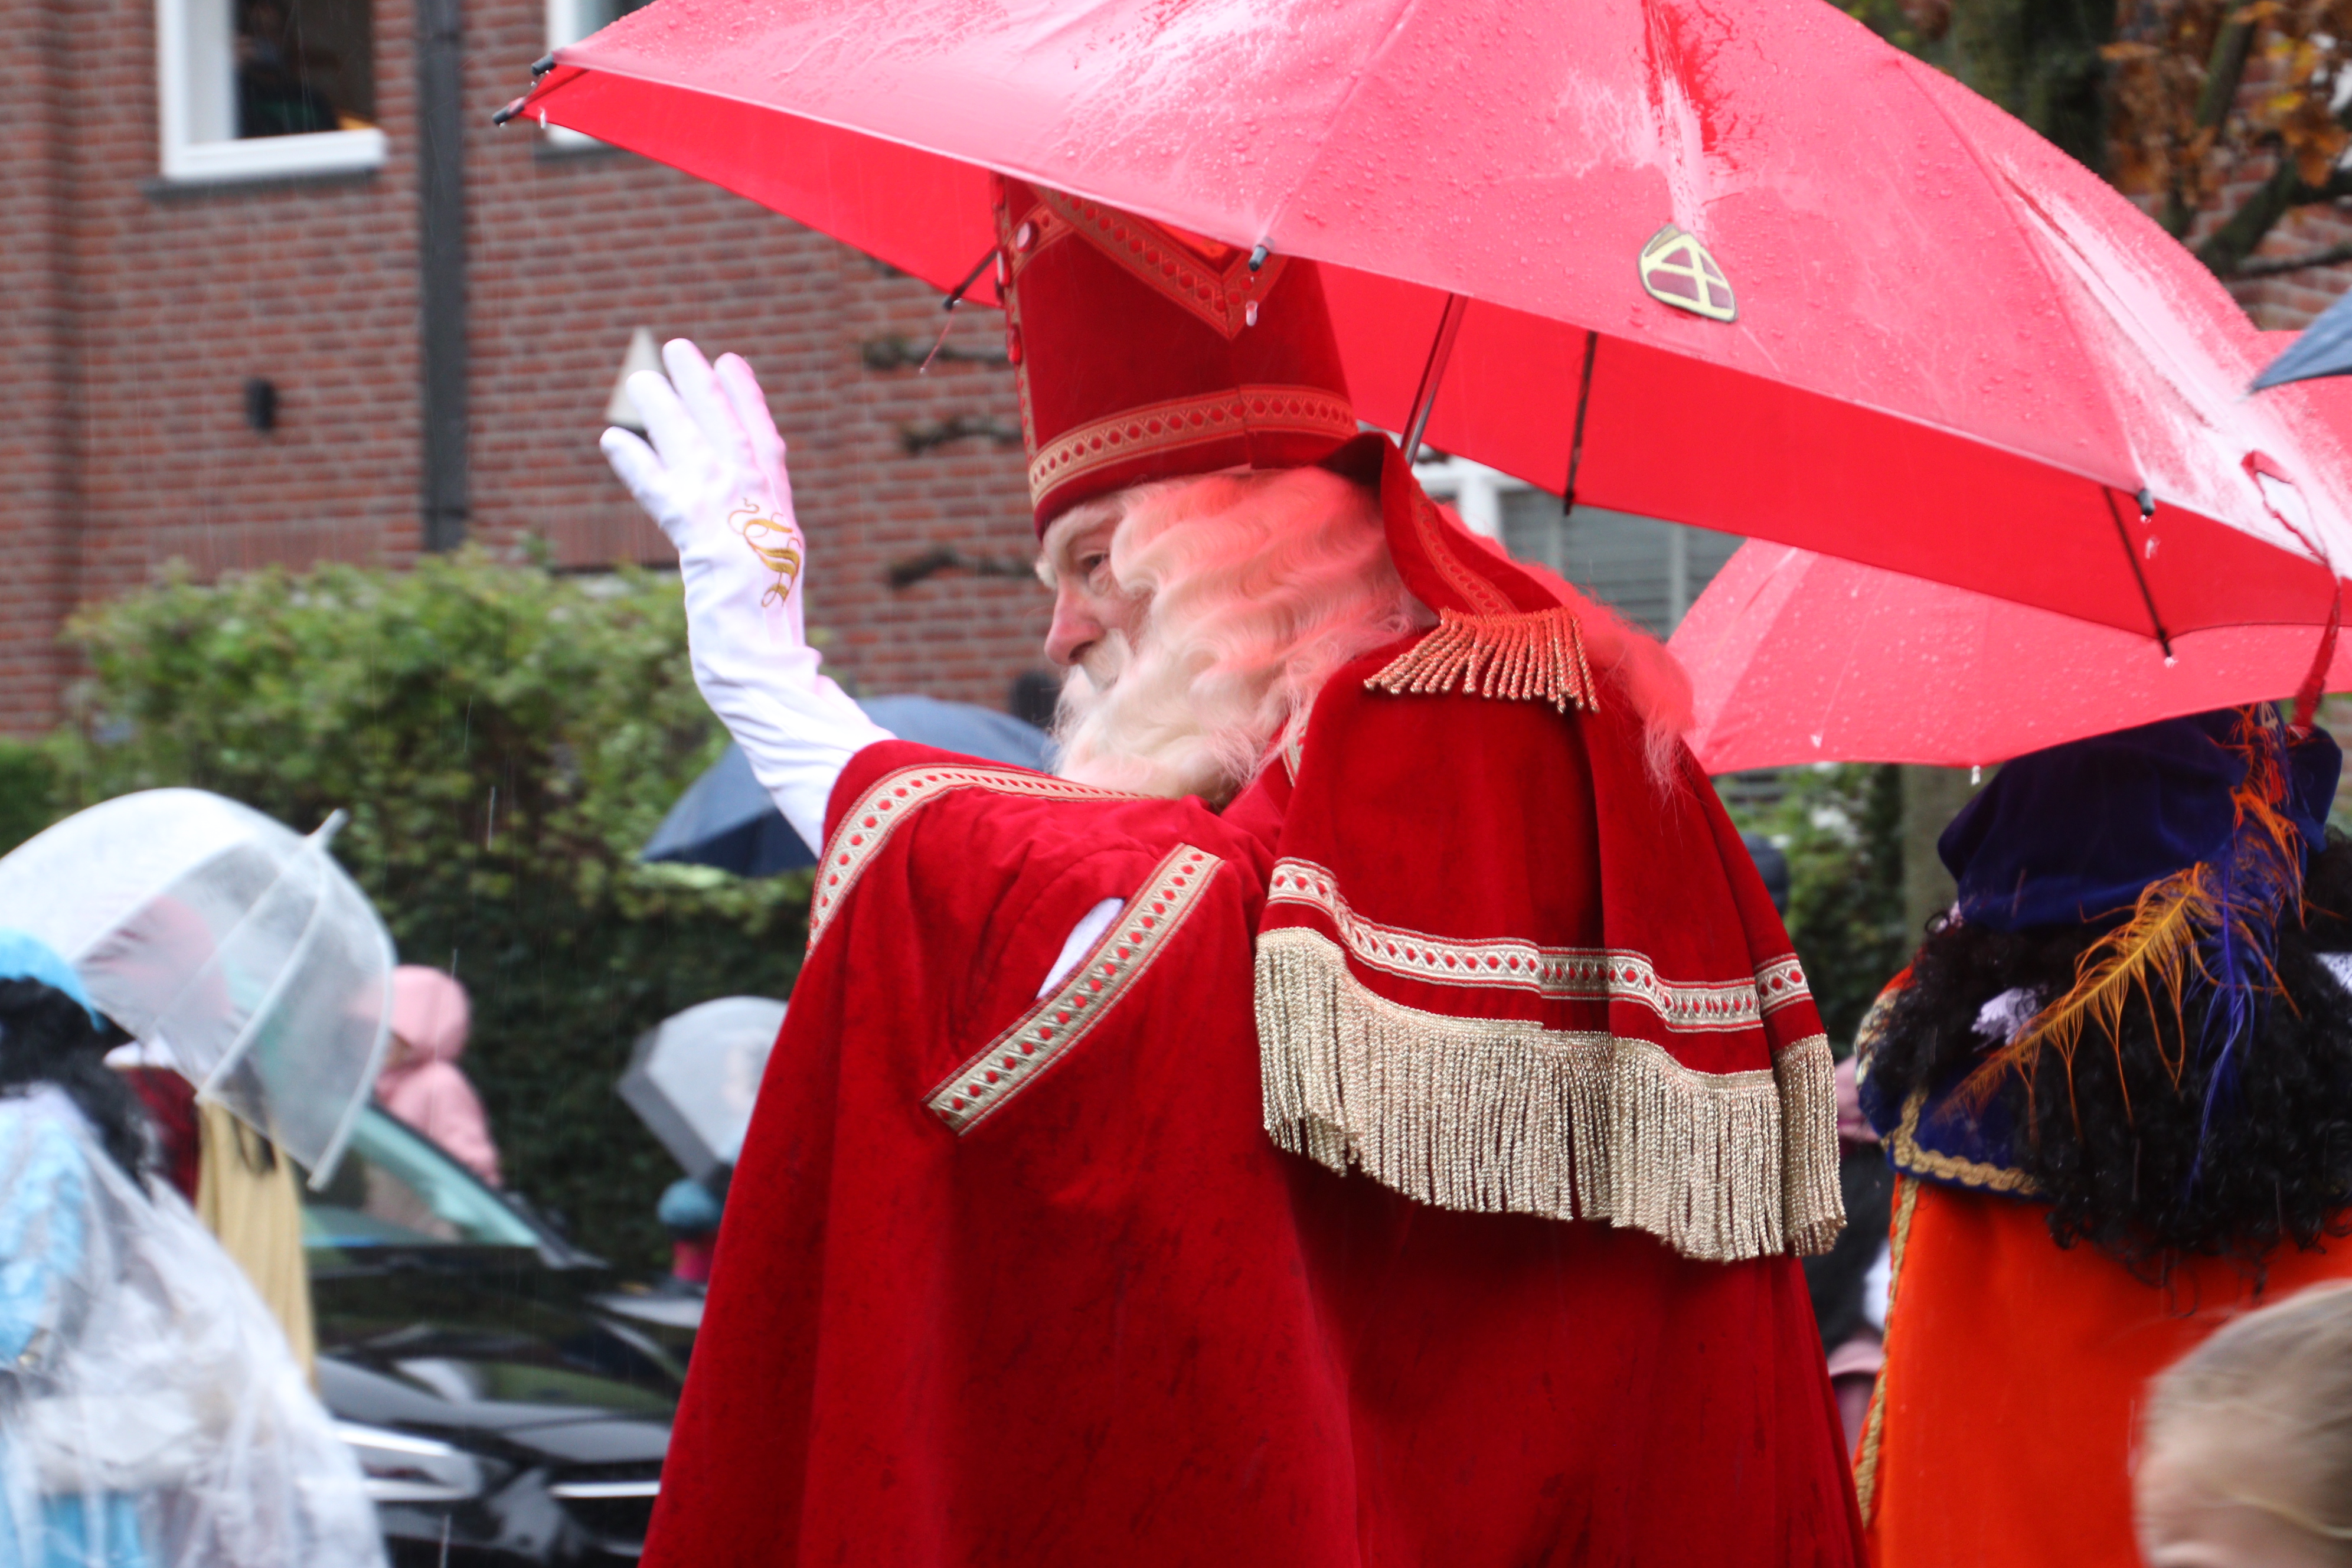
<point>1362,1111</point>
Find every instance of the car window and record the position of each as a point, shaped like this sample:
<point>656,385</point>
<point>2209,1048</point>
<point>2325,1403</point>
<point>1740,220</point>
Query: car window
<point>395,1188</point>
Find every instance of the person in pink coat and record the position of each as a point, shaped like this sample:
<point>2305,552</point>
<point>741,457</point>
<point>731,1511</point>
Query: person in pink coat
<point>422,1083</point>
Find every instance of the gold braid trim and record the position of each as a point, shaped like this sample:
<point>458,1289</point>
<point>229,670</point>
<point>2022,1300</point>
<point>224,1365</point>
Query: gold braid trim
<point>1865,1458</point>
<point>1527,654</point>
<point>1497,1115</point>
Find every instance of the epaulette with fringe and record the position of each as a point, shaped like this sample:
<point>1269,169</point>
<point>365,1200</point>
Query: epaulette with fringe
<point>1529,655</point>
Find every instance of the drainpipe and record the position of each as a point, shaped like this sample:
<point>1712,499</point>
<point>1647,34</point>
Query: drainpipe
<point>441,266</point>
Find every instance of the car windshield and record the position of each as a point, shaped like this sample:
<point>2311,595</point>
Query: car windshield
<point>395,1188</point>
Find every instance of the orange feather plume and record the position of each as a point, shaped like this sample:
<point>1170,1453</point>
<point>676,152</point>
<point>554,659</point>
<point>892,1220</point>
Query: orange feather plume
<point>2147,957</point>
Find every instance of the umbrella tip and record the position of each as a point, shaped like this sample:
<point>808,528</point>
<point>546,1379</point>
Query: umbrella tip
<point>2146,498</point>
<point>1257,256</point>
<point>544,64</point>
<point>500,117</point>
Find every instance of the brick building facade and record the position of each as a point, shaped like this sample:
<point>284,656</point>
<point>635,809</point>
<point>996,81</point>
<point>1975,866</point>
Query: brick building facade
<point>135,309</point>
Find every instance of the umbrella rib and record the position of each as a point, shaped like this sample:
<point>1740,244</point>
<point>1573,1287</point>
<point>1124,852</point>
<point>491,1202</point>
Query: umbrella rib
<point>2131,556</point>
<point>1440,349</point>
<point>1576,441</point>
<point>1307,166</point>
<point>238,1048</point>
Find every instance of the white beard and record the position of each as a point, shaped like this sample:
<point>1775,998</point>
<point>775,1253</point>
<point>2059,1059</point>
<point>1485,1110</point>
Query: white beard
<point>1256,588</point>
<point>1134,721</point>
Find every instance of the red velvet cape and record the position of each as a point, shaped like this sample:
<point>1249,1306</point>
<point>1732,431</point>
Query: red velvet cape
<point>1009,1281</point>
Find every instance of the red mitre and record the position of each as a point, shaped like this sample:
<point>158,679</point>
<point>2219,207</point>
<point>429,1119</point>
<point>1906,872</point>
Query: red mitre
<point>1143,352</point>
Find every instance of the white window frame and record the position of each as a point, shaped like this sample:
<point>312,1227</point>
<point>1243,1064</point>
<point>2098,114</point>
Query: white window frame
<point>196,97</point>
<point>565,25</point>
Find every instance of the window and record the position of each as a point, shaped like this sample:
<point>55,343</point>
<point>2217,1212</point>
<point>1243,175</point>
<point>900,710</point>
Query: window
<point>1648,571</point>
<point>254,89</point>
<point>568,22</point>
<point>395,1188</point>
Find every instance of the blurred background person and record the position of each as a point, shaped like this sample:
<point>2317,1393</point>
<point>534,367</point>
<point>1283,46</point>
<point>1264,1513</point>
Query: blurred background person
<point>151,1414</point>
<point>690,1210</point>
<point>421,1082</point>
<point>2246,1454</point>
<point>245,1193</point>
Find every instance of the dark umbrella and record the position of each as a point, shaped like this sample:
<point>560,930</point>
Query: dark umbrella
<point>726,819</point>
<point>2324,349</point>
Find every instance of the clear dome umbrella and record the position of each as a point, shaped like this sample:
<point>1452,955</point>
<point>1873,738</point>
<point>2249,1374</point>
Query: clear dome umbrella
<point>236,944</point>
<point>693,1078</point>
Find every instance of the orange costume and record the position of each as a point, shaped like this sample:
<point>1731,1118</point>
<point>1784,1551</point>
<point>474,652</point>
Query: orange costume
<point>2005,1418</point>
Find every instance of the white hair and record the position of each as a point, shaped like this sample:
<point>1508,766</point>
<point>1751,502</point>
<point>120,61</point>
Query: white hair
<point>1258,586</point>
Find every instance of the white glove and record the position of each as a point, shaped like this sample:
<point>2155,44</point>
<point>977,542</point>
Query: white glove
<point>714,480</point>
<point>718,487</point>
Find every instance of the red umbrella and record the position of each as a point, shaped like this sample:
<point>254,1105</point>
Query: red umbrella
<point>1800,657</point>
<point>1739,265</point>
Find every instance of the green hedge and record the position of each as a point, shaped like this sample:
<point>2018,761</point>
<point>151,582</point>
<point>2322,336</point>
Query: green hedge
<point>29,783</point>
<point>504,740</point>
<point>1842,828</point>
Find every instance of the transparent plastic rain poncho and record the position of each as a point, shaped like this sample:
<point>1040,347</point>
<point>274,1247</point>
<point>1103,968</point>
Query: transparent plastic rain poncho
<point>151,1415</point>
<point>239,945</point>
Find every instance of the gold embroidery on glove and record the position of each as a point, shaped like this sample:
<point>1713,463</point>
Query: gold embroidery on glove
<point>783,559</point>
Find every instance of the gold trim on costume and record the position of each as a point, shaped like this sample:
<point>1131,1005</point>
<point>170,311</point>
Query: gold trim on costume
<point>1574,974</point>
<point>1496,1115</point>
<point>1020,1055</point>
<point>1220,296</point>
<point>1437,544</point>
<point>865,828</point>
<point>1187,421</point>
<point>1524,654</point>
<point>1908,1155</point>
<point>1866,1457</point>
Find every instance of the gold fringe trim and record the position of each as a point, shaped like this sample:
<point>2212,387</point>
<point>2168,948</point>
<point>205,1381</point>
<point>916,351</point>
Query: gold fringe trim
<point>1874,1426</point>
<point>1491,1115</point>
<point>1535,654</point>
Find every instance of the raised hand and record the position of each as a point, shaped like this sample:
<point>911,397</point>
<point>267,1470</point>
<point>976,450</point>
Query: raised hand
<point>714,480</point>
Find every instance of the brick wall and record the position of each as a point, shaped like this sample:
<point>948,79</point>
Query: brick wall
<point>37,474</point>
<point>139,312</point>
<point>2286,303</point>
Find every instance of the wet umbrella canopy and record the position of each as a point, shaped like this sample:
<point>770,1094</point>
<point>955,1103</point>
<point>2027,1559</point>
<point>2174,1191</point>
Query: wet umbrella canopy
<point>202,926</point>
<point>1796,658</point>
<point>1833,299</point>
<point>692,1077</point>
<point>1800,657</point>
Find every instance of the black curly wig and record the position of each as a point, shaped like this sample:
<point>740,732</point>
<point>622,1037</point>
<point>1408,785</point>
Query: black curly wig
<point>46,1038</point>
<point>2118,1149</point>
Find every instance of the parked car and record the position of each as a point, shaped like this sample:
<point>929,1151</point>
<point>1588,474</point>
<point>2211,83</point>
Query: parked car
<point>509,1397</point>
